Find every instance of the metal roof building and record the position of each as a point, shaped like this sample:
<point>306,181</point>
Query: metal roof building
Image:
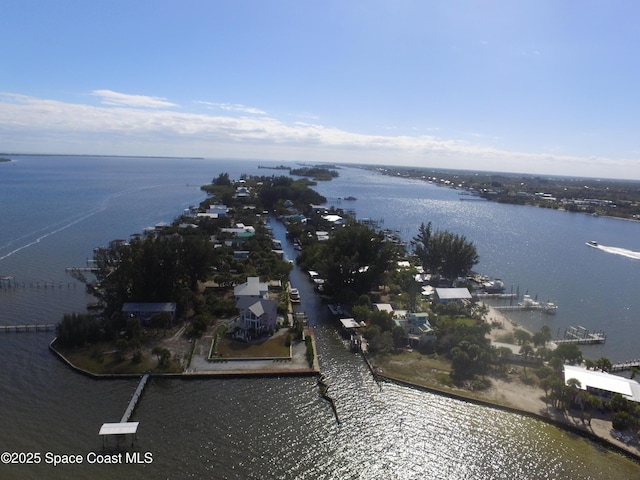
<point>603,384</point>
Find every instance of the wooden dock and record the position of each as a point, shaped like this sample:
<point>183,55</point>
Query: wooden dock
<point>497,295</point>
<point>134,400</point>
<point>622,366</point>
<point>29,328</point>
<point>581,336</point>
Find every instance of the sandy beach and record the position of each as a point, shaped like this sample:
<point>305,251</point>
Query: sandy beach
<point>530,399</point>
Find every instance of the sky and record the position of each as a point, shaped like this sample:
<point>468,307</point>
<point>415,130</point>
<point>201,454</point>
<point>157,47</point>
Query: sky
<point>530,86</point>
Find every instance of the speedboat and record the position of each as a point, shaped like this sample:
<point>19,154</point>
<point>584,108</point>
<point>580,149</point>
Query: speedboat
<point>592,243</point>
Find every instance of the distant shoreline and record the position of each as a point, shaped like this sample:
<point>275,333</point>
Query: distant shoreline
<point>92,155</point>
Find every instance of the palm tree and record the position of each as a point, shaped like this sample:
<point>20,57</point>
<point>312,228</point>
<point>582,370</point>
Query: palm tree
<point>526,350</point>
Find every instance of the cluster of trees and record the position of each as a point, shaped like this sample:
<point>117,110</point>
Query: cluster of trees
<point>274,191</point>
<point>153,269</point>
<point>352,262</point>
<point>444,253</point>
<point>317,173</point>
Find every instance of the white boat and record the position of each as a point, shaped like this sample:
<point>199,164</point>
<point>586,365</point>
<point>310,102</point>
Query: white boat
<point>294,295</point>
<point>549,308</point>
<point>592,243</point>
<point>528,302</point>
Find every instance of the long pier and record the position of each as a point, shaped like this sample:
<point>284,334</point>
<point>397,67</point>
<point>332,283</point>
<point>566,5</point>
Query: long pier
<point>622,366</point>
<point>497,295</point>
<point>29,328</point>
<point>581,336</point>
<point>134,400</point>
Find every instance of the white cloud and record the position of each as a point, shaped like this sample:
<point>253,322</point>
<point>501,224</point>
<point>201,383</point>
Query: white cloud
<point>110,97</point>
<point>233,107</point>
<point>29,123</point>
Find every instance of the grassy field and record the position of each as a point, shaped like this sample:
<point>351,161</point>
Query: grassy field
<point>414,367</point>
<point>99,362</point>
<point>272,347</point>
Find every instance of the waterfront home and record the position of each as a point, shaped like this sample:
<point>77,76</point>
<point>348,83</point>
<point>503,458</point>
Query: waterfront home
<point>383,307</point>
<point>448,295</point>
<point>252,288</point>
<point>215,211</point>
<point>334,219</point>
<point>602,384</point>
<point>257,317</point>
<point>238,234</point>
<point>417,329</point>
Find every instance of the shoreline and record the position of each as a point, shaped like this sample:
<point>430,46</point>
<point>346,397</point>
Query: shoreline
<point>509,394</point>
<point>296,366</point>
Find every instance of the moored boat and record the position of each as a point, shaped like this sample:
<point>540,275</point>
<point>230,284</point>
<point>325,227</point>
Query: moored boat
<point>294,295</point>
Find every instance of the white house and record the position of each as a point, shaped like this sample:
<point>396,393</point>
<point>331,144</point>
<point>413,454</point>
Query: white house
<point>257,317</point>
<point>417,328</point>
<point>446,295</point>
<point>252,288</point>
<point>602,384</point>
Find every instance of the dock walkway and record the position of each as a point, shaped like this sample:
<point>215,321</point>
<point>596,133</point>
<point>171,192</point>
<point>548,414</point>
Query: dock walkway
<point>581,336</point>
<point>622,366</point>
<point>28,328</point>
<point>134,400</point>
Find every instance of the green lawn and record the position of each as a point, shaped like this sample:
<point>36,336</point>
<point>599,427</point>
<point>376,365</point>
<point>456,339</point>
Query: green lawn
<point>273,347</point>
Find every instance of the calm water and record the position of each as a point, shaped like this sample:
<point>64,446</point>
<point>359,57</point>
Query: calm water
<point>55,210</point>
<point>538,251</point>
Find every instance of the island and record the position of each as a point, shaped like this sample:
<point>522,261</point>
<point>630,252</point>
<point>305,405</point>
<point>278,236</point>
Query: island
<point>208,295</point>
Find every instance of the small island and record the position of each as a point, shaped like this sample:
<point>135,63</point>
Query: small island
<point>2,160</point>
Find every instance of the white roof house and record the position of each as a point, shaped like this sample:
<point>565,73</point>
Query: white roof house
<point>257,317</point>
<point>383,307</point>
<point>603,383</point>
<point>450,294</point>
<point>253,288</point>
<point>335,219</point>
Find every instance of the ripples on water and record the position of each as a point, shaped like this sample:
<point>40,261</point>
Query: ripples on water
<point>254,428</point>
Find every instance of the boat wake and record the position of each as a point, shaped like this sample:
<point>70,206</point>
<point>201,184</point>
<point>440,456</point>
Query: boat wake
<point>623,252</point>
<point>55,229</point>
<point>64,224</point>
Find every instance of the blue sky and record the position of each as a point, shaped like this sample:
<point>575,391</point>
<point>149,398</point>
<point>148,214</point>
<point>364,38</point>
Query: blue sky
<point>523,86</point>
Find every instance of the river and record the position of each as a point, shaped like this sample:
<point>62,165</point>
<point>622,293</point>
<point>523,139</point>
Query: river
<point>232,428</point>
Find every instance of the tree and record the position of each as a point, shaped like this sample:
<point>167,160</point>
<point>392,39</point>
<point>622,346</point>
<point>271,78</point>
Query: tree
<point>526,351</point>
<point>541,337</point>
<point>353,260</point>
<point>162,354</point>
<point>444,253</point>
<point>76,330</point>
<point>604,364</point>
<point>522,336</point>
<point>222,180</point>
<point>568,353</point>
